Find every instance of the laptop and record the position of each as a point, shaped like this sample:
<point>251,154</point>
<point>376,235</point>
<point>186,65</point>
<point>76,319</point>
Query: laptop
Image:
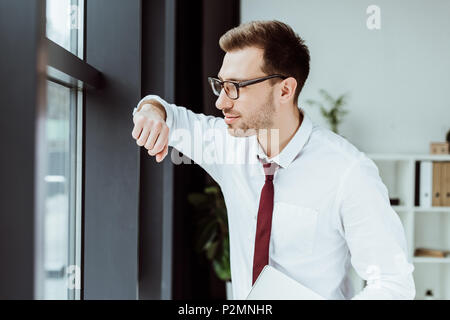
<point>272,284</point>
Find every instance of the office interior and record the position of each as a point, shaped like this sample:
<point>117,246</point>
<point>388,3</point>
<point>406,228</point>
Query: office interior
<point>86,214</point>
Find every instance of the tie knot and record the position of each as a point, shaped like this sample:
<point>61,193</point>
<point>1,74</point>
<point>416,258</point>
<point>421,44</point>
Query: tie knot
<point>269,170</point>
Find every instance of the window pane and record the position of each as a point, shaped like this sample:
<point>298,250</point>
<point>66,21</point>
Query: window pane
<point>65,24</point>
<point>60,227</point>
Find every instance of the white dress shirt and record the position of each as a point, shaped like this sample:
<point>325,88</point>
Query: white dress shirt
<point>331,208</point>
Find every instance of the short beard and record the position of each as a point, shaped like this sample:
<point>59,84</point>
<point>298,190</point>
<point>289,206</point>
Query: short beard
<point>263,119</point>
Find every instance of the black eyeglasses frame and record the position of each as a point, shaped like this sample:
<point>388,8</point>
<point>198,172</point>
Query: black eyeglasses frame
<point>241,84</point>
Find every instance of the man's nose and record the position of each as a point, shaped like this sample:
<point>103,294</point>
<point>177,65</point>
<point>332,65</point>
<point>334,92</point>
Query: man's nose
<point>223,102</point>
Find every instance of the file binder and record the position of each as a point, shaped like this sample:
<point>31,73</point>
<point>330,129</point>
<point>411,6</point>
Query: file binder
<point>446,184</point>
<point>426,177</point>
<point>437,185</point>
<point>273,284</point>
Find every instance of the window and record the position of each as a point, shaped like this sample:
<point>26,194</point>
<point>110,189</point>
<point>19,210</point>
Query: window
<point>65,24</point>
<point>70,210</point>
<point>62,224</point>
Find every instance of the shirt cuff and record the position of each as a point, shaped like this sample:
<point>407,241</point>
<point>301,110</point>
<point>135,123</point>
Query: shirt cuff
<point>167,107</point>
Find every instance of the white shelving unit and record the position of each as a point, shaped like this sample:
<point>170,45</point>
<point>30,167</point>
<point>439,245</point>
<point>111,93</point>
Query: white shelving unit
<point>424,227</point>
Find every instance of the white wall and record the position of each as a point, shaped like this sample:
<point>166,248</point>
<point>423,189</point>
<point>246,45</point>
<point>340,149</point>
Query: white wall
<point>398,76</point>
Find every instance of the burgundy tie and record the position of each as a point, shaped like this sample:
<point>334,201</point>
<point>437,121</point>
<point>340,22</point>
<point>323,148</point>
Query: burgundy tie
<point>264,223</point>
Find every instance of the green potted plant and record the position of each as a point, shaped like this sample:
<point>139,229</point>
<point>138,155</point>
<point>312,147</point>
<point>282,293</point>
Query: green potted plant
<point>212,231</point>
<point>336,112</point>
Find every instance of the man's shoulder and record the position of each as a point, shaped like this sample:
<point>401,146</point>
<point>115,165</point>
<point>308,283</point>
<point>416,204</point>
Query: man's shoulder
<point>333,147</point>
<point>334,144</point>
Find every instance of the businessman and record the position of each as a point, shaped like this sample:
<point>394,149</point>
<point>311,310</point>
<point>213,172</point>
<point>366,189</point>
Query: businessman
<point>302,199</point>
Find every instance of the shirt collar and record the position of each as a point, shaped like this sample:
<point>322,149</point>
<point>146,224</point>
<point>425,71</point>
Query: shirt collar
<point>292,149</point>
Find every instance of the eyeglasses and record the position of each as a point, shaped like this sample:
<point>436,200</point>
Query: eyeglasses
<point>232,87</point>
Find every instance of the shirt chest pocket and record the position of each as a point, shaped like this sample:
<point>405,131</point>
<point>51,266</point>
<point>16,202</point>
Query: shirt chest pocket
<point>293,229</point>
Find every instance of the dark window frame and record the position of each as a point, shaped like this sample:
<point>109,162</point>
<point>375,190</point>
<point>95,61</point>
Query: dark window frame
<point>22,101</point>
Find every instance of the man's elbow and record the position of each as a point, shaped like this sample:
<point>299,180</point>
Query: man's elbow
<point>392,289</point>
<point>402,290</point>
<point>409,294</point>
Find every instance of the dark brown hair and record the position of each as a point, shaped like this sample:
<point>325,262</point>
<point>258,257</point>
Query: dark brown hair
<point>284,51</point>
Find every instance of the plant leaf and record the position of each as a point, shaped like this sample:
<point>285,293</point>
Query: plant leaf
<point>208,233</point>
<point>211,190</point>
<point>212,250</point>
<point>197,199</point>
<point>327,96</point>
<point>314,103</point>
<point>222,268</point>
<point>325,113</point>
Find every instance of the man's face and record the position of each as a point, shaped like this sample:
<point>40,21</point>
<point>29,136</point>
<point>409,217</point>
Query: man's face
<point>255,107</point>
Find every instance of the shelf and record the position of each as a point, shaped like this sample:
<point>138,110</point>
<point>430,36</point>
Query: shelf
<point>401,208</point>
<point>408,157</point>
<point>432,209</point>
<point>424,227</point>
<point>431,260</point>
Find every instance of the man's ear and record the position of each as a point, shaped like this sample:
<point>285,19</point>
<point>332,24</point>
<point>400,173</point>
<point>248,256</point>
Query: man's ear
<point>288,87</point>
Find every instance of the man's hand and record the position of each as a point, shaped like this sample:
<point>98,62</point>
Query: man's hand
<point>151,131</point>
